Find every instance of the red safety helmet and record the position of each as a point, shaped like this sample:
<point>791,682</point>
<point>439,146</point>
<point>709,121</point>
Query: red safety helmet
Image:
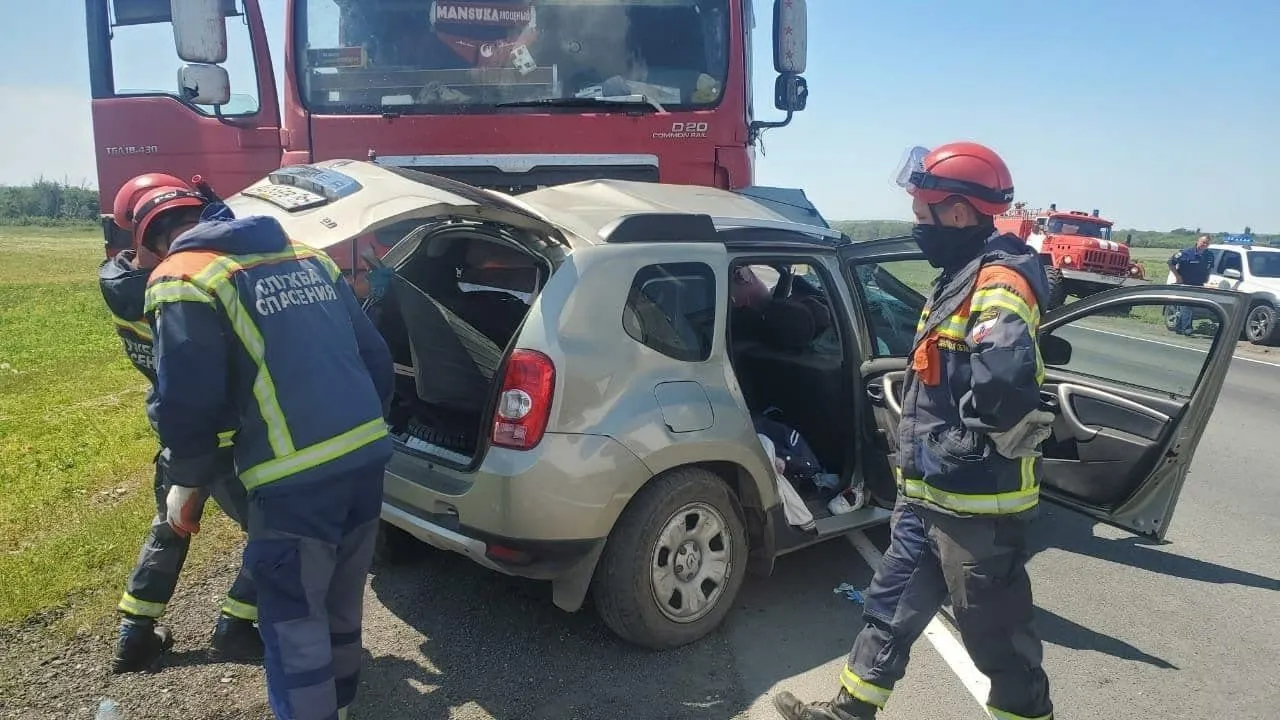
<point>146,197</point>
<point>972,171</point>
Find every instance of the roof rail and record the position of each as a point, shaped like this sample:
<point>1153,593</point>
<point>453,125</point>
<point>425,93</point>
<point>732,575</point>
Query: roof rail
<point>724,223</point>
<point>660,227</point>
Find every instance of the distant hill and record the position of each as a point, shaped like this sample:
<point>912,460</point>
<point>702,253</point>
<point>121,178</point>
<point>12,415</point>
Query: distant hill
<point>1177,238</point>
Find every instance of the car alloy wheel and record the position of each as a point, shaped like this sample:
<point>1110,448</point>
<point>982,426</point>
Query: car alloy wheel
<point>1258,326</point>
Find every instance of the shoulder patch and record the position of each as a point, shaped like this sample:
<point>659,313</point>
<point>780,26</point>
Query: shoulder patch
<point>986,322</point>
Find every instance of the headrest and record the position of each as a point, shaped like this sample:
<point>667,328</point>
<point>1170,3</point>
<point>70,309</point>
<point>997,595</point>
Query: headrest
<point>788,325</point>
<point>745,324</point>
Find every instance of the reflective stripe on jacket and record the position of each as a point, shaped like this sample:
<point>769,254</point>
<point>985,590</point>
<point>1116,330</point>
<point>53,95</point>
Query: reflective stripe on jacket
<point>124,286</point>
<point>975,369</point>
<point>248,319</point>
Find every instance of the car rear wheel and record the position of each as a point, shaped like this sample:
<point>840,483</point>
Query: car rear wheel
<point>394,546</point>
<point>674,562</point>
<point>1260,328</point>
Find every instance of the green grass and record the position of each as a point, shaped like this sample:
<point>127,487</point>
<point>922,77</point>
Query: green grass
<point>75,448</point>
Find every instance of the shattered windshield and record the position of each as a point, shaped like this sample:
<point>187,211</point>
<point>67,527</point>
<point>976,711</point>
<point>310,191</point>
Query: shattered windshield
<point>1079,227</point>
<point>363,56</point>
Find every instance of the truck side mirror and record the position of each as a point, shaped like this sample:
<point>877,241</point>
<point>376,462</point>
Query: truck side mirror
<point>790,36</point>
<point>204,85</point>
<point>790,93</point>
<point>1232,274</point>
<point>200,30</point>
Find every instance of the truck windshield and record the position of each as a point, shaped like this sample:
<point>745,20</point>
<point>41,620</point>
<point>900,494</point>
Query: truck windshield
<point>1080,227</point>
<point>407,56</point>
<point>1264,264</point>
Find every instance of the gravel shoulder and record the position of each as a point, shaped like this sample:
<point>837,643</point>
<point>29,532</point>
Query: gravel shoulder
<point>43,675</point>
<point>443,639</point>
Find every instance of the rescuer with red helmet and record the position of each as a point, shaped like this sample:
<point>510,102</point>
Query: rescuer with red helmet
<point>967,463</point>
<point>250,323</point>
<point>155,209</point>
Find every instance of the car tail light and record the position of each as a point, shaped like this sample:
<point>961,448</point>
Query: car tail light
<point>524,405</point>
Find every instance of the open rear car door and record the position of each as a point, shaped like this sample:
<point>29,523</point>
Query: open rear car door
<point>1131,399</point>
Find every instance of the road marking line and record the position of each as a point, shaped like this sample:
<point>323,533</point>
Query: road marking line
<point>1174,345</point>
<point>937,633</point>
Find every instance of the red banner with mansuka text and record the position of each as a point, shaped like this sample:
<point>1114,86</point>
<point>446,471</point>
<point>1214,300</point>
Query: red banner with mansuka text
<point>481,14</point>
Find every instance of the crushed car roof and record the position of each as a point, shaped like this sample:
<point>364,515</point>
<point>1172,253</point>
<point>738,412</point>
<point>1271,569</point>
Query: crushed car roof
<point>590,209</point>
<point>324,203</point>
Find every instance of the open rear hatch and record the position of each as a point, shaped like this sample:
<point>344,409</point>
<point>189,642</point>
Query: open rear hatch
<point>451,311</point>
<point>464,266</point>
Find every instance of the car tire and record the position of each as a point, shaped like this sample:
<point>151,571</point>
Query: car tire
<point>394,546</point>
<point>1057,287</point>
<point>1261,328</point>
<point>642,561</point>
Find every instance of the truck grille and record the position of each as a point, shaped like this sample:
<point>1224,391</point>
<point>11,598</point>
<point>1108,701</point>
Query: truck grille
<point>1106,262</point>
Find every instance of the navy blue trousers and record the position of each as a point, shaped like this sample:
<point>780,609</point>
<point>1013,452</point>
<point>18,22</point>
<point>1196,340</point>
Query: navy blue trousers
<point>980,564</point>
<point>309,551</point>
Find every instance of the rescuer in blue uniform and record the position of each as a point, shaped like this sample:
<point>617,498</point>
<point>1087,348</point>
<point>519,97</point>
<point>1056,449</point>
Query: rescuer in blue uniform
<point>246,318</point>
<point>967,460</point>
<point>155,208</point>
<point>1190,266</point>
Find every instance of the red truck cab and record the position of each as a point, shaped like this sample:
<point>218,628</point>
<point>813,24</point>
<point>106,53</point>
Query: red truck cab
<point>507,94</point>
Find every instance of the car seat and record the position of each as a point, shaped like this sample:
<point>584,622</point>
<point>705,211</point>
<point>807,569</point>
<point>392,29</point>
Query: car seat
<point>454,364</point>
<point>809,388</point>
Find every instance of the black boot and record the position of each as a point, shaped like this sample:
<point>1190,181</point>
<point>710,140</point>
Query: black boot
<point>844,707</point>
<point>140,646</point>
<point>236,639</point>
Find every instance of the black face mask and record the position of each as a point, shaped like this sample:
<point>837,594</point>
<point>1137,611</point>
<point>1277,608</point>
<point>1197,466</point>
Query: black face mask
<point>949,248</point>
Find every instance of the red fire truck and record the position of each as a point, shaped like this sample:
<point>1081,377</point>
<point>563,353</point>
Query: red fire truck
<point>506,94</point>
<point>1076,248</point>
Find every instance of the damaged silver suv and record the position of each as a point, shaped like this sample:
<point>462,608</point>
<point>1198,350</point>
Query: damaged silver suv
<point>585,373</point>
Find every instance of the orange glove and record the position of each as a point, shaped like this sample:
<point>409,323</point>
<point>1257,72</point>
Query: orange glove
<point>183,508</point>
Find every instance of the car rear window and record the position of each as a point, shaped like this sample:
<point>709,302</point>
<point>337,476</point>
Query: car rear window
<point>671,308</point>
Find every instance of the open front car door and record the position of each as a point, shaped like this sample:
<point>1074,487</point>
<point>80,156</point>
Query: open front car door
<point>1130,398</point>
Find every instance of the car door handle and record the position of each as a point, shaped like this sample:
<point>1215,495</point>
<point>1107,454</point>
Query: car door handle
<point>1049,401</point>
<point>891,397</point>
<point>875,391</point>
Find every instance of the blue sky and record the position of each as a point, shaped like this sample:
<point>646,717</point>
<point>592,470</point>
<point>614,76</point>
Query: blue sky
<point>1161,114</point>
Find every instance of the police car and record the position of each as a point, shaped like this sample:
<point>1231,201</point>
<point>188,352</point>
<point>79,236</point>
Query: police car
<point>1241,266</point>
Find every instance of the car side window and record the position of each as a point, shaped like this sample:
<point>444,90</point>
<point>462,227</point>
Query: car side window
<point>1231,261</point>
<point>892,296</point>
<point>671,308</point>
<point>1135,344</point>
<point>1215,257</point>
